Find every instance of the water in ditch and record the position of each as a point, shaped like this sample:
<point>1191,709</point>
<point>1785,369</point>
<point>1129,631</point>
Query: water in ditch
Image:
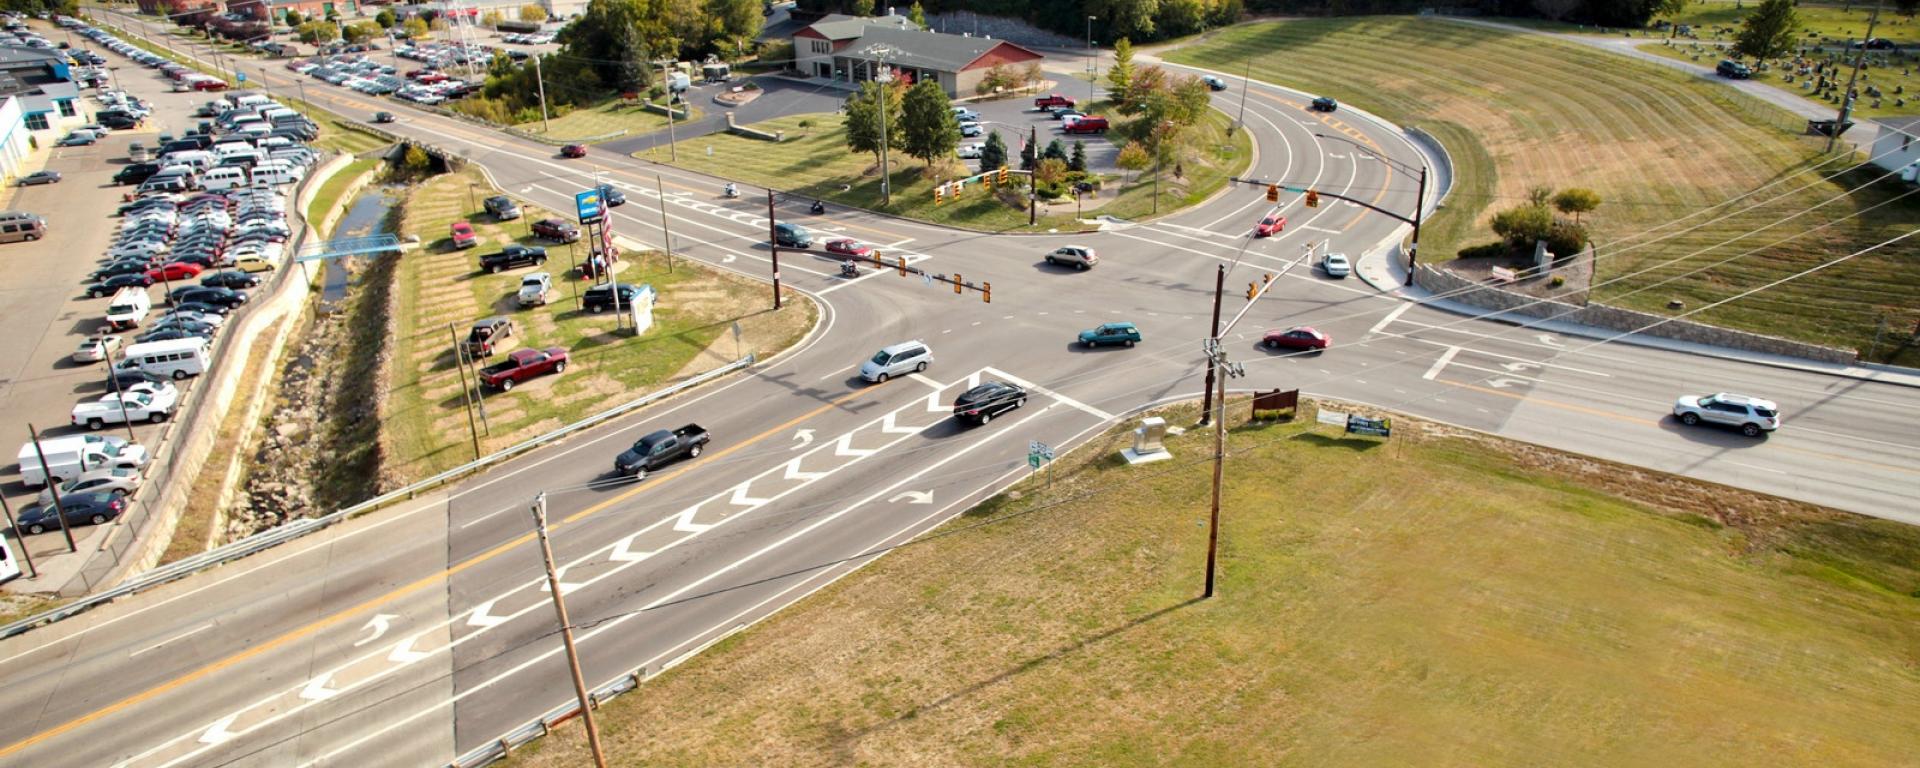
<point>366,216</point>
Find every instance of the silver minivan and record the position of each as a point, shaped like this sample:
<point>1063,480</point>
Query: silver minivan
<point>905,357</point>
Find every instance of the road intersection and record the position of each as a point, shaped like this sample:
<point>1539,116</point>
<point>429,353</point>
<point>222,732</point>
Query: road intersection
<point>416,634</point>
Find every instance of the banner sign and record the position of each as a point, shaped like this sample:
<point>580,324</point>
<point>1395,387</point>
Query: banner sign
<point>1361,425</point>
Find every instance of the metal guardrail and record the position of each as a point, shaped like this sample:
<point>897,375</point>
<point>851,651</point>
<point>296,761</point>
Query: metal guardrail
<point>278,535</point>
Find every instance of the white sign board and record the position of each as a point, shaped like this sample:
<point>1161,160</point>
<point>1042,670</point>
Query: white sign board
<point>642,310</point>
<point>1331,417</point>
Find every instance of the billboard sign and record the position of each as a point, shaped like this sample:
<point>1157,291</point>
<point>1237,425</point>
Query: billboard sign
<point>589,205</point>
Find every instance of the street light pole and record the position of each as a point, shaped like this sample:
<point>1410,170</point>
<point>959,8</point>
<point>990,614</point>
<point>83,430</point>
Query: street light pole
<point>1419,208</point>
<point>1093,65</point>
<point>885,79</point>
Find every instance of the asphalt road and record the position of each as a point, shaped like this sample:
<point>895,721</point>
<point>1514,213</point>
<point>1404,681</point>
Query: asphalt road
<point>412,635</point>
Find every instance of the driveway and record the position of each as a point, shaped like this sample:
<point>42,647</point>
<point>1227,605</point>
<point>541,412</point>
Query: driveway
<point>779,97</point>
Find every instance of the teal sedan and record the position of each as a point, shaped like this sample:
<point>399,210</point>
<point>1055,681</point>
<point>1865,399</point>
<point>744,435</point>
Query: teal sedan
<point>1124,334</point>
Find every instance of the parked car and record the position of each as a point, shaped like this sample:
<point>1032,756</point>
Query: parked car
<point>574,150</point>
<point>230,279</point>
<point>1124,334</point>
<point>502,207</point>
<point>513,256</point>
<point>981,404</point>
<point>660,448</point>
<point>114,408</point>
<point>488,334</point>
<point>113,284</point>
<point>1052,100</point>
<point>557,230</point>
<point>523,364</point>
<point>77,139</point>
<point>1751,415</point>
<point>535,288</point>
<point>203,294</point>
<point>113,481</point>
<point>1325,104</point>
<point>1336,265</point>
<point>971,151</point>
<point>94,349</point>
<point>78,509</point>
<point>1076,256</point>
<point>462,234</point>
<point>964,115</point>
<point>1085,124</point>
<point>971,128</point>
<point>601,298</point>
<point>1298,337</point>
<point>175,270</point>
<point>1270,225</point>
<point>39,177</point>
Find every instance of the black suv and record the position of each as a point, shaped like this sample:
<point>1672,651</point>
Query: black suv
<point>203,294</point>
<point>980,404</point>
<point>135,173</point>
<point>600,297</point>
<point>615,198</point>
<point>1729,68</point>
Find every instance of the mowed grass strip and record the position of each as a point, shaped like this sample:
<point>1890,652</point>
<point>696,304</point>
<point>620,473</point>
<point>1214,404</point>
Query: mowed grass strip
<point>813,162</point>
<point>1523,110</point>
<point>426,425</point>
<point>1431,600</point>
<point>328,197</point>
<point>604,121</point>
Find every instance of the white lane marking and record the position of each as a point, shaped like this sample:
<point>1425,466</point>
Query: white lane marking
<point>1197,230</point>
<point>188,633</point>
<point>1032,387</point>
<point>1312,228</point>
<point>1438,365</point>
<point>898,244</point>
<point>838,372</point>
<point>1391,316</point>
<point>482,518</point>
<point>1471,350</point>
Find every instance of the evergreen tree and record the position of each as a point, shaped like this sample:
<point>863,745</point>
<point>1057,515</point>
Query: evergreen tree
<point>1055,151</point>
<point>1079,161</point>
<point>1120,75</point>
<point>917,15</point>
<point>1769,31</point>
<point>1028,155</point>
<point>994,154</point>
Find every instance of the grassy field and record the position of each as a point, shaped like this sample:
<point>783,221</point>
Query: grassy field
<point>1437,600</point>
<point>814,162</point>
<point>336,132</point>
<point>426,426</point>
<point>1658,145</point>
<point>329,195</point>
<point>605,121</point>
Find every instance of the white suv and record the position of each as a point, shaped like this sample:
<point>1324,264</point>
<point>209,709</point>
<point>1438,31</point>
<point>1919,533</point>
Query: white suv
<point>1750,414</point>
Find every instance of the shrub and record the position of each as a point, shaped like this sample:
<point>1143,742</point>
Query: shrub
<point>1557,281</point>
<point>1566,238</point>
<point>1487,251</point>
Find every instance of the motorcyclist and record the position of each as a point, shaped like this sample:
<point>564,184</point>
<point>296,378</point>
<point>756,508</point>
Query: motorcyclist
<point>818,207</point>
<point>731,190</point>
<point>848,269</point>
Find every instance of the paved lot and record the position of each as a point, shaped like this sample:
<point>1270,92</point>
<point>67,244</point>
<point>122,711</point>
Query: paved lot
<point>44,308</point>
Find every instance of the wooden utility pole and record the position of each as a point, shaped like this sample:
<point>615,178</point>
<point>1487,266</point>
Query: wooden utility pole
<point>566,630</point>
<point>773,247</point>
<point>1219,288</point>
<point>1846,97</point>
<point>53,486</point>
<point>466,396</point>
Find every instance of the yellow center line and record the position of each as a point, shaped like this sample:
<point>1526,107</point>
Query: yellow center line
<point>415,586</point>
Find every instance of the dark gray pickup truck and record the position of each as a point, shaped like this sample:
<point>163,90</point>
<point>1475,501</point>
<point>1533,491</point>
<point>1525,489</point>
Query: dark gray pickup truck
<point>659,449</point>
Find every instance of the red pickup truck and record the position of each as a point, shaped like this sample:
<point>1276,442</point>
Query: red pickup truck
<point>523,364</point>
<point>1052,100</point>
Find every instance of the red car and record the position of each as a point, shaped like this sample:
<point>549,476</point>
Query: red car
<point>1301,337</point>
<point>849,247</point>
<point>1271,225</point>
<point>209,84</point>
<point>174,270</point>
<point>574,150</point>
<point>430,77</point>
<point>462,234</point>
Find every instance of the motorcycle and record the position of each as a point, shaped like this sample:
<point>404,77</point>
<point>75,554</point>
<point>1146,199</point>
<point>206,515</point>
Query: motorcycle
<point>818,208</point>
<point>847,269</point>
<point>730,192</point>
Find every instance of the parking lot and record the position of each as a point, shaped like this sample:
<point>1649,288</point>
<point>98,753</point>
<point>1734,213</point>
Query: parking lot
<point>1016,119</point>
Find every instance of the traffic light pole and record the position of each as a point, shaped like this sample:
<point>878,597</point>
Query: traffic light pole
<point>1206,406</point>
<point>773,247</point>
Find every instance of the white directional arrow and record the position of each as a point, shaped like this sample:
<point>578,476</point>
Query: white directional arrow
<point>805,437</point>
<point>1518,367</point>
<point>380,623</point>
<point>726,258</point>
<point>404,652</point>
<point>218,734</point>
<point>741,499</point>
<point>1504,382</point>
<point>917,497</point>
<point>888,426</point>
<point>566,587</point>
<point>623,551</point>
<point>483,617</point>
<point>795,473</point>
<point>845,447</point>
<point>1548,340</point>
<point>317,689</point>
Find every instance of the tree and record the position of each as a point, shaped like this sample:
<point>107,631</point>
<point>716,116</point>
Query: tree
<point>416,28</point>
<point>1906,7</point>
<point>1141,88</point>
<point>1180,17</point>
<point>1029,155</point>
<point>1769,31</point>
<point>863,119</point>
<point>917,15</point>
<point>293,18</point>
<point>1120,75</point>
<point>994,154</point>
<point>1055,151</point>
<point>931,130</point>
<point>738,19</point>
<point>1576,201</point>
<point>1523,224</point>
<point>1051,171</point>
<point>492,19</point>
<point>416,160</point>
<point>1555,10</point>
<point>1668,9</point>
<point>1539,194</point>
<point>361,32</point>
<point>384,18</point>
<point>1133,157</point>
<point>533,12</point>
<point>860,7</point>
<point>1078,162</point>
<point>317,32</point>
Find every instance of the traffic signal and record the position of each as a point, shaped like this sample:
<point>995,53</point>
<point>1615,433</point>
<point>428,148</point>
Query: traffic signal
<point>1003,175</point>
<point>986,292</point>
<point>988,178</point>
<point>956,282</point>
<point>1267,279</point>
<point>939,193</point>
<point>903,265</point>
<point>1273,193</point>
<point>1313,199</point>
<point>1252,288</point>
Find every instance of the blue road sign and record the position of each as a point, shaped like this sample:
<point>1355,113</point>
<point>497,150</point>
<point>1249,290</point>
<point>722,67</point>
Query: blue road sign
<point>589,205</point>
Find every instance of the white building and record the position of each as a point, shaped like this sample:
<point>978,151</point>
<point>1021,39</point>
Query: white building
<point>1898,146</point>
<point>41,80</point>
<point>13,139</point>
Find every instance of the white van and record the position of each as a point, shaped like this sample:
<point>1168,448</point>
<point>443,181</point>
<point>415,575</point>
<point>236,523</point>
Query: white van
<point>296,156</point>
<point>198,159</point>
<point>129,307</point>
<point>276,174</point>
<point>224,177</point>
<point>251,100</point>
<point>178,358</point>
<point>276,113</point>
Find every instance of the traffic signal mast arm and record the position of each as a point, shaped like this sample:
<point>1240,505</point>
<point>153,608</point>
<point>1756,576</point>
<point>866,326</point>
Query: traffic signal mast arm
<point>1361,203</point>
<point>900,263</point>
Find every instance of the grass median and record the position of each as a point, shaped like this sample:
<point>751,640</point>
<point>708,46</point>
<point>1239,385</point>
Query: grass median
<point>813,162</point>
<point>426,428</point>
<point>1432,599</point>
<point>605,121</point>
<point>1518,110</point>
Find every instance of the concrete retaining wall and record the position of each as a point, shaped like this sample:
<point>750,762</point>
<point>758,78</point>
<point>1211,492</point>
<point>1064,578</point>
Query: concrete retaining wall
<point>1450,285</point>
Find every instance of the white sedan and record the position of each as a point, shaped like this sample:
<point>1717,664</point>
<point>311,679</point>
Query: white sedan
<point>1336,265</point>
<point>96,348</point>
<point>972,151</point>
